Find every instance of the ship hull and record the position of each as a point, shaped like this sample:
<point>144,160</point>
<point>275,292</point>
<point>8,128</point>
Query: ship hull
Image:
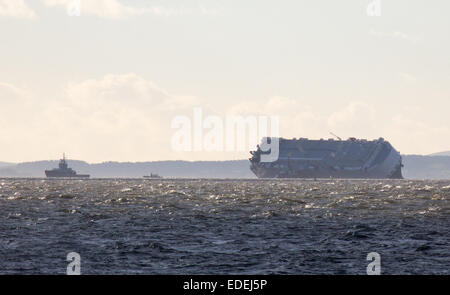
<point>331,159</point>
<point>278,173</point>
<point>58,174</point>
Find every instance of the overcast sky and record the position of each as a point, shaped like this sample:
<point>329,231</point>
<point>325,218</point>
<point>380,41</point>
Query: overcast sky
<point>105,85</point>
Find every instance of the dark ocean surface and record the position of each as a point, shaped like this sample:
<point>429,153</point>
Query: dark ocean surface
<point>126,226</point>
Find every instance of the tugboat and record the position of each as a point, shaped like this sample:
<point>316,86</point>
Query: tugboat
<point>64,171</point>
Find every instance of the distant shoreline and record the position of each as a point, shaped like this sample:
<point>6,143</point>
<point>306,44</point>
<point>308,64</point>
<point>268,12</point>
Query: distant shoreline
<point>415,167</point>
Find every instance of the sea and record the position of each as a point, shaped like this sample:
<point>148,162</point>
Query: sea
<point>224,226</point>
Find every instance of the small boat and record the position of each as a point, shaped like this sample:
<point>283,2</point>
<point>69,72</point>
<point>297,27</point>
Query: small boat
<point>152,176</point>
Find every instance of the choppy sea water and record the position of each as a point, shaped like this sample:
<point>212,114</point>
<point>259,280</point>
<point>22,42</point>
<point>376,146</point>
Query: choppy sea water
<point>121,226</point>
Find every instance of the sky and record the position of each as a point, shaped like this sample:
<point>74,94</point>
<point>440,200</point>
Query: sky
<point>103,81</point>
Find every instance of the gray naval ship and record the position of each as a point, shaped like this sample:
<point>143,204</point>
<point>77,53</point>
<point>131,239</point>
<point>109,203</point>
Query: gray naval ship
<point>64,171</point>
<point>352,158</point>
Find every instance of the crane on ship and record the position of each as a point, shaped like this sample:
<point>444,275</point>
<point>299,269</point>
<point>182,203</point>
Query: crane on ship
<point>335,136</point>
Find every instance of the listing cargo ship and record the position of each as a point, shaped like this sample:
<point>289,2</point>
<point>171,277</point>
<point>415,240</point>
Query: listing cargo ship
<point>352,158</point>
<point>64,171</point>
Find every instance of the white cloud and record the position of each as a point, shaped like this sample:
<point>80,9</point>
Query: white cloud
<point>408,78</point>
<point>16,116</point>
<point>116,117</point>
<point>396,35</point>
<point>116,89</point>
<point>16,9</point>
<point>9,92</point>
<point>408,130</point>
<point>297,119</point>
<point>125,110</point>
<point>128,118</point>
<point>413,134</point>
<point>101,8</point>
<point>272,106</point>
<point>357,119</point>
<point>113,9</point>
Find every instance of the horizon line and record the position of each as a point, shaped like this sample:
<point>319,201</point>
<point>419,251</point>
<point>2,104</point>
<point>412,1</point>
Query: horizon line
<point>438,154</point>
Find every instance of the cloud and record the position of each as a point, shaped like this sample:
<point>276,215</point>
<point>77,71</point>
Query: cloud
<point>127,117</point>
<point>357,119</point>
<point>272,106</point>
<point>414,134</point>
<point>16,116</point>
<point>297,119</point>
<point>408,78</point>
<point>113,9</point>
<point>116,117</point>
<point>9,92</point>
<point>408,130</point>
<point>396,35</point>
<point>125,104</point>
<point>116,89</point>
<point>16,103</point>
<point>16,9</point>
<point>101,8</point>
